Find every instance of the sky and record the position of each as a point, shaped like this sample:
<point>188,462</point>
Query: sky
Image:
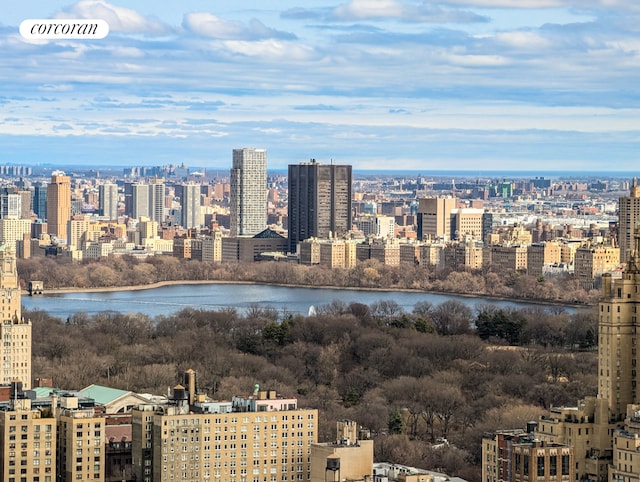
<point>379,84</point>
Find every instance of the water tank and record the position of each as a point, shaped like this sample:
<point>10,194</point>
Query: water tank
<point>179,393</point>
<point>333,463</point>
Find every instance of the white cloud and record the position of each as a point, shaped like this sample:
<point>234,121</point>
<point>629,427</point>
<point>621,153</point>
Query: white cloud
<point>524,77</point>
<point>512,3</point>
<point>55,87</point>
<point>208,25</point>
<point>538,4</point>
<point>523,40</point>
<point>477,60</point>
<point>120,19</point>
<point>357,10</point>
<point>270,50</point>
<point>368,9</point>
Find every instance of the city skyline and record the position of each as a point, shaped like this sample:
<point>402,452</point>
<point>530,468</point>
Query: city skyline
<point>463,84</point>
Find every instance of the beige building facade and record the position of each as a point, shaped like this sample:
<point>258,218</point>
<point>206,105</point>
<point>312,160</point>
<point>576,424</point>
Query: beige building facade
<point>348,458</point>
<point>80,444</point>
<point>434,218</point>
<point>542,255</point>
<point>28,444</point>
<point>15,331</point>
<point>505,259</point>
<point>589,263</point>
<point>13,229</point>
<point>262,437</point>
<point>59,205</point>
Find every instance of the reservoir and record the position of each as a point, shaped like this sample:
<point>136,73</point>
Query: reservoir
<point>167,300</point>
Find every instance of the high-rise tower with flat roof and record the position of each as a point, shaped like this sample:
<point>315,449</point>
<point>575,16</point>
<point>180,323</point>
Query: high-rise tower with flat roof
<point>319,201</point>
<point>435,219</point>
<point>628,218</point>
<point>189,195</point>
<point>248,192</point>
<point>156,200</point>
<point>59,204</point>
<point>108,200</point>
<point>40,199</point>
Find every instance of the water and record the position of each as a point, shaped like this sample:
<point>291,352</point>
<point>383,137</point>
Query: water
<point>170,299</point>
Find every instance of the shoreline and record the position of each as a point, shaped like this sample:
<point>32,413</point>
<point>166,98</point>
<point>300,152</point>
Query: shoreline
<point>160,284</point>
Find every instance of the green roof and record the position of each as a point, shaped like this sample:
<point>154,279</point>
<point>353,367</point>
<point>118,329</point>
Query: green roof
<point>103,395</point>
<point>44,392</point>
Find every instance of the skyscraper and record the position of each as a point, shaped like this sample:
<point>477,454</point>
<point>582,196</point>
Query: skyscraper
<point>319,201</point>
<point>108,200</point>
<point>248,194</point>
<point>434,218</point>
<point>189,195</point>
<point>59,204</point>
<point>156,200</point>
<point>15,332</point>
<point>40,199</point>
<point>629,216</point>
<point>617,337</point>
<point>10,203</point>
<point>139,200</point>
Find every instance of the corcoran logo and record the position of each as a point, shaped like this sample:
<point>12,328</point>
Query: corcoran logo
<point>63,28</point>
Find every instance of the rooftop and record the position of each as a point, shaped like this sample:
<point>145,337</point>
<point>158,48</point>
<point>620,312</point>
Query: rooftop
<point>101,394</point>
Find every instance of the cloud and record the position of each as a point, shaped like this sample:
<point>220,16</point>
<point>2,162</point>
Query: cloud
<point>478,60</point>
<point>523,40</point>
<point>629,5</point>
<point>120,19</point>
<point>206,106</point>
<point>299,13</point>
<point>208,25</point>
<point>357,10</point>
<point>270,49</point>
<point>513,3</point>
<point>55,87</point>
<point>317,107</point>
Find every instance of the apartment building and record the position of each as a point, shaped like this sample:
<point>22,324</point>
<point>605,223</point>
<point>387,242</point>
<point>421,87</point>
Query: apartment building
<point>518,456</point>
<point>27,443</point>
<point>80,442</point>
<point>248,439</point>
<point>629,215</point>
<point>542,255</point>
<point>589,263</point>
<point>349,457</point>
<point>505,259</point>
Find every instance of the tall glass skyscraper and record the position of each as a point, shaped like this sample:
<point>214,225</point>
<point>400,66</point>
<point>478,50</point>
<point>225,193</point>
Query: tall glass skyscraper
<point>248,193</point>
<point>40,199</point>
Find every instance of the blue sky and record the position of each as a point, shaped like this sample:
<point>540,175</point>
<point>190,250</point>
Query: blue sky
<point>380,84</point>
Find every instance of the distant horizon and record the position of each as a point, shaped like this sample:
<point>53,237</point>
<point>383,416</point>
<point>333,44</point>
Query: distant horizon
<point>466,173</point>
